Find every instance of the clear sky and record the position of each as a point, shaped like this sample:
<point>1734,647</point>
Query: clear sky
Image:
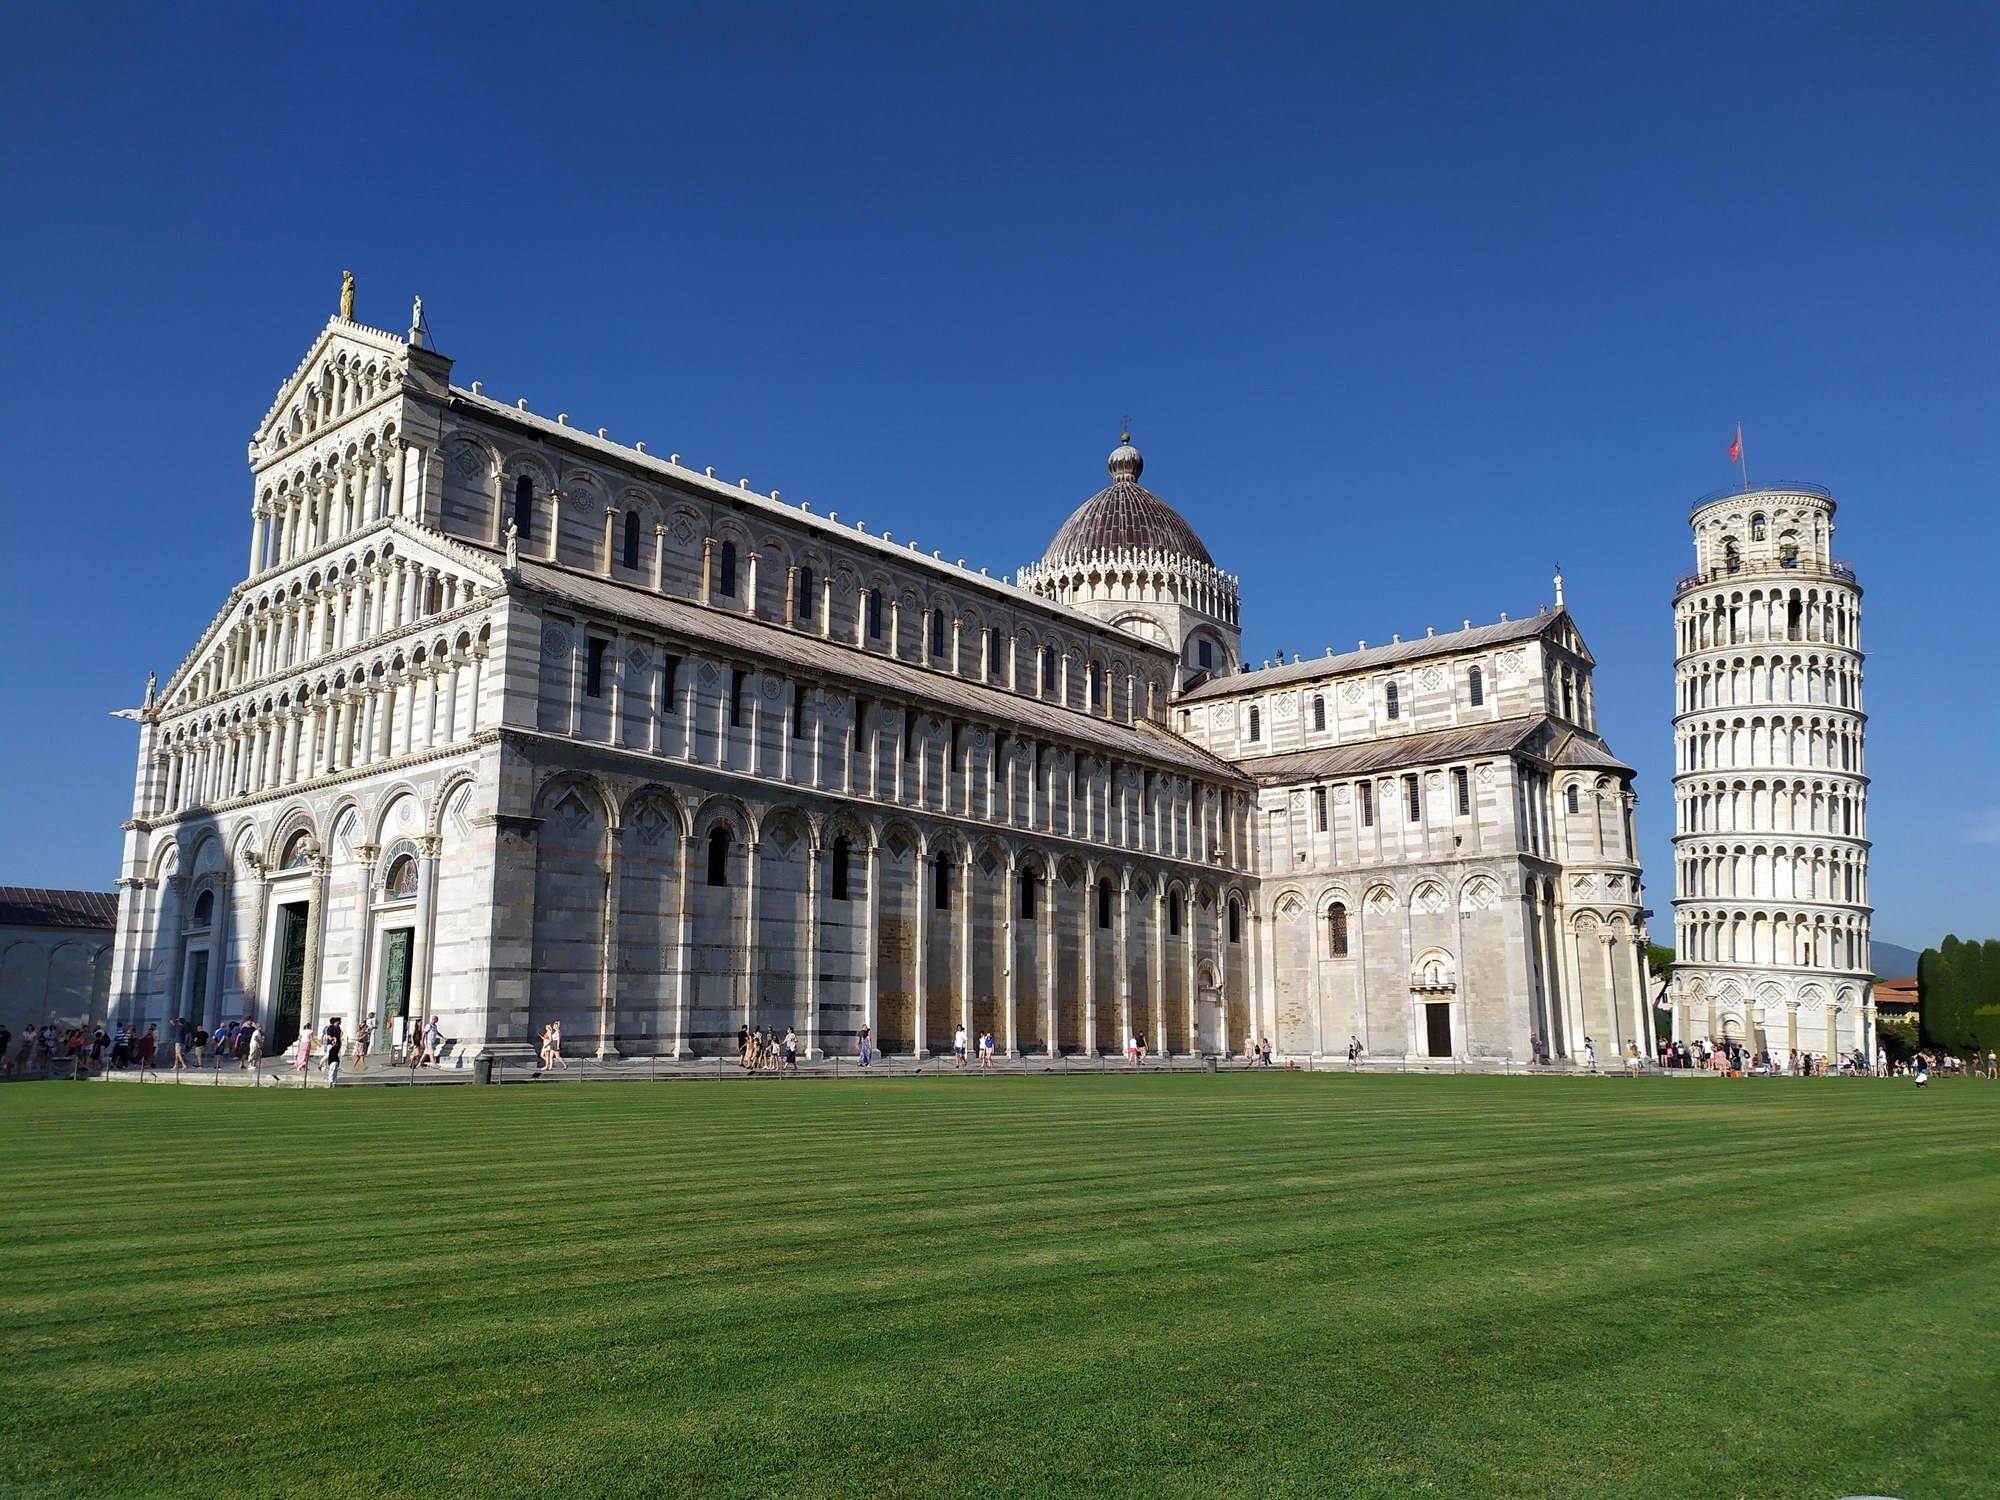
<point>1406,302</point>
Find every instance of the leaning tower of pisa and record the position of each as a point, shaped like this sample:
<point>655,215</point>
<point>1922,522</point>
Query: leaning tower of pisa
<point>1770,786</point>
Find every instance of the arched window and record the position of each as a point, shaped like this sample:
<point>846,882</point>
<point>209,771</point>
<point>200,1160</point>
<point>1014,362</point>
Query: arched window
<point>298,852</point>
<point>941,881</point>
<point>1732,556</point>
<point>937,632</point>
<point>631,539</point>
<point>1394,700</point>
<point>524,505</point>
<point>1204,655</point>
<point>1757,528</point>
<point>204,909</point>
<point>1476,682</point>
<point>875,614</point>
<point>1319,713</point>
<point>401,881</point>
<point>1048,669</point>
<point>1572,797</point>
<point>1235,921</point>
<point>1174,914</point>
<point>1413,798</point>
<point>1336,931</point>
<point>1788,550</point>
<point>1104,902</point>
<point>718,856</point>
<point>726,569</point>
<point>1029,881</point>
<point>1095,676</point>
<point>993,652</point>
<point>836,883</point>
<point>1256,725</point>
<point>805,594</point>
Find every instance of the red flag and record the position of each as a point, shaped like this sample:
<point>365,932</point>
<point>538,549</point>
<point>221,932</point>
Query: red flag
<point>1736,445</point>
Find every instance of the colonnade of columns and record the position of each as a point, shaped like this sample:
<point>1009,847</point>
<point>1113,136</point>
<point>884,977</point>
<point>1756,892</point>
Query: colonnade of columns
<point>395,712</point>
<point>313,509</point>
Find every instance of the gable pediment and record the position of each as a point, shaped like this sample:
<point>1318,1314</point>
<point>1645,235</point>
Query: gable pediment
<point>270,594</point>
<point>349,362</point>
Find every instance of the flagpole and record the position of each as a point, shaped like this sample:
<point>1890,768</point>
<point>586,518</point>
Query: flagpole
<point>1742,458</point>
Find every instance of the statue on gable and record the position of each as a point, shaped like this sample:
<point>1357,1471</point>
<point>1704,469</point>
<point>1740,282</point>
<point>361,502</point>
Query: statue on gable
<point>347,295</point>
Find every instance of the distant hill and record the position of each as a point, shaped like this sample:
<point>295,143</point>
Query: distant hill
<point>1892,961</point>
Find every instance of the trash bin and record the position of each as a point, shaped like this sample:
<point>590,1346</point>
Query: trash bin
<point>482,1070</point>
<point>1208,1063</point>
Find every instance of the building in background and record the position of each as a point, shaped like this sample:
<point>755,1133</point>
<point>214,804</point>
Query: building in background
<point>55,956</point>
<point>1771,905</point>
<point>511,724</point>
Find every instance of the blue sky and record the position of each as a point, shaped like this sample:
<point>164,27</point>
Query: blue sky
<point>1406,304</point>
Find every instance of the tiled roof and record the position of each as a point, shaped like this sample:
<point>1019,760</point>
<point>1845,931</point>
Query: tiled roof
<point>1313,667</point>
<point>1368,756</point>
<point>29,906</point>
<point>1125,515</point>
<point>1580,751</point>
<point>1141,743</point>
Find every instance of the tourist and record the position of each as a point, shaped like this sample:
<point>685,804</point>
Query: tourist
<point>1923,1073</point>
<point>1142,1049</point>
<point>198,1040</point>
<point>178,1030</point>
<point>148,1044</point>
<point>1355,1051</point>
<point>986,1051</point>
<point>958,1048</point>
<point>864,1048</point>
<point>334,1043</point>
<point>364,1034</point>
<point>1992,1064</point>
<point>304,1051</point>
<point>1590,1054</point>
<point>1131,1048</point>
<point>434,1043</point>
<point>121,1048</point>
<point>253,1047</point>
<point>99,1040</point>
<point>1632,1063</point>
<point>789,1051</point>
<point>743,1046</point>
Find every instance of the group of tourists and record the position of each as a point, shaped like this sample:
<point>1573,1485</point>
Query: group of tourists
<point>421,1046</point>
<point>1730,1058</point>
<point>76,1050</point>
<point>757,1052</point>
<point>549,1049</point>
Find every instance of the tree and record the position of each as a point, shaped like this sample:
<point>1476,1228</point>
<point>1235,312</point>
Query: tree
<point>1958,994</point>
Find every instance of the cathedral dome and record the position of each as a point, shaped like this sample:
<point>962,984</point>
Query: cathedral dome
<point>1125,515</point>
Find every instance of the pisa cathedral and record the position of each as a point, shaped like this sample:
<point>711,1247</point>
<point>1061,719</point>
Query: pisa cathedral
<point>508,722</point>
<point>1771,909</point>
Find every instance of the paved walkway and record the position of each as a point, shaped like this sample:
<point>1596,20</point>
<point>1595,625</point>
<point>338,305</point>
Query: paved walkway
<point>379,1073</point>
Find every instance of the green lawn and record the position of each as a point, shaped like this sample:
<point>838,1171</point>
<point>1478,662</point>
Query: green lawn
<point>1174,1285</point>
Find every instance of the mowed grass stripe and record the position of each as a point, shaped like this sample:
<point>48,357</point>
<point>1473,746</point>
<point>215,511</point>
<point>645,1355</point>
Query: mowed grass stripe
<point>1163,1285</point>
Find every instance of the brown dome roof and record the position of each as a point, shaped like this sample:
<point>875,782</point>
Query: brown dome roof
<point>1125,515</point>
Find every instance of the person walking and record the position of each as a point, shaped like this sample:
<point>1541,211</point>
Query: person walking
<point>1590,1054</point>
<point>555,1044</point>
<point>302,1061</point>
<point>434,1042</point>
<point>364,1036</point>
<point>1632,1063</point>
<point>148,1044</point>
<point>253,1047</point>
<point>865,1048</point>
<point>986,1052</point>
<point>177,1029</point>
<point>334,1043</point>
<point>958,1048</point>
<point>743,1047</point>
<point>788,1051</point>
